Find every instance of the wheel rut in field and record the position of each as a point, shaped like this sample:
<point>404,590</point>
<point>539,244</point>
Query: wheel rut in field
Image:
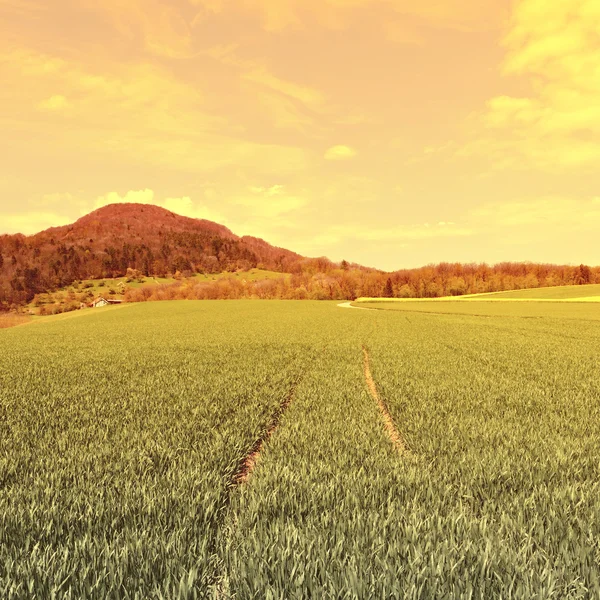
<point>250,461</point>
<point>227,523</point>
<point>390,426</point>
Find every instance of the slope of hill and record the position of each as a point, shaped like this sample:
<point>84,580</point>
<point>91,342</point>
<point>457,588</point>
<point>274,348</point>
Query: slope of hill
<point>111,240</point>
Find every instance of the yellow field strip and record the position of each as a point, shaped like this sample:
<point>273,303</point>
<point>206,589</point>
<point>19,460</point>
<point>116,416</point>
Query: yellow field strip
<point>471,299</point>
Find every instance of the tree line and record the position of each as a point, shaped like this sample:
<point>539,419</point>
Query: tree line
<point>41,264</point>
<point>321,279</point>
<point>31,266</point>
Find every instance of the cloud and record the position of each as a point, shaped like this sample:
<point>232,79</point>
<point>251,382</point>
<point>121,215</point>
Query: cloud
<point>162,26</point>
<point>26,7</point>
<point>184,206</point>
<point>284,103</point>
<point>274,190</point>
<point>263,210</point>
<point>54,103</point>
<point>557,124</point>
<point>188,208</point>
<point>134,197</point>
<point>279,15</point>
<point>398,233</point>
<point>413,232</point>
<point>32,222</point>
<point>270,202</point>
<point>260,74</point>
<point>304,94</point>
<point>340,153</point>
<point>140,113</point>
<point>541,214</point>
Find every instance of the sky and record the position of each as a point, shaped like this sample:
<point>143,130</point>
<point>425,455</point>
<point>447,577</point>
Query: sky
<point>391,133</point>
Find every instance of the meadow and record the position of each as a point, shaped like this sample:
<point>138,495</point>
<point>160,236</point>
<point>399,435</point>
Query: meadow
<point>68,298</point>
<point>235,450</point>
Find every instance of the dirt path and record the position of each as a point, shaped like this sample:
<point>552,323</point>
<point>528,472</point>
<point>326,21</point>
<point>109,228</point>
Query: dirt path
<point>219,586</point>
<point>349,305</point>
<point>388,422</point>
<point>249,463</point>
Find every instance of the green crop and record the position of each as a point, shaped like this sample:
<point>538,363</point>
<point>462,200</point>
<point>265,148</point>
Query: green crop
<point>562,292</point>
<point>119,437</point>
<point>502,310</point>
<point>123,434</point>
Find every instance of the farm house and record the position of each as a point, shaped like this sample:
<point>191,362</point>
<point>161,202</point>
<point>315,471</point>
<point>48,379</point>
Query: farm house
<point>99,302</point>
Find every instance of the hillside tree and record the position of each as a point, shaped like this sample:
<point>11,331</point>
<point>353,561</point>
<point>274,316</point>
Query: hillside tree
<point>388,291</point>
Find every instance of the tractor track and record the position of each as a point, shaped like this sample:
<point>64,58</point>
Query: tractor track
<point>218,584</point>
<point>251,459</point>
<point>390,426</point>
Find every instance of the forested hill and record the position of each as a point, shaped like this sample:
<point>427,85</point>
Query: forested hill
<point>154,242</point>
<point>108,241</point>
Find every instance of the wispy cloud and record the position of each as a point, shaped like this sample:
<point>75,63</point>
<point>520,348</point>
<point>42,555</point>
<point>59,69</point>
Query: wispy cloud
<point>397,234</point>
<point>162,26</point>
<point>279,15</point>
<point>547,214</point>
<point>270,202</point>
<point>140,112</point>
<point>184,206</point>
<point>26,7</point>
<point>340,152</point>
<point>54,103</point>
<point>32,222</point>
<point>555,46</point>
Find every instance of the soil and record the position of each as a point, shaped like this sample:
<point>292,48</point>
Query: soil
<point>388,422</point>
<point>249,463</point>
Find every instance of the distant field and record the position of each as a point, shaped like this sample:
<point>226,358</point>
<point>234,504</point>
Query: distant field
<point>549,293</point>
<point>566,310</point>
<point>575,293</point>
<point>234,450</point>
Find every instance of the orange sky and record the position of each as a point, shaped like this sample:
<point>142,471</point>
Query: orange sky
<point>387,132</point>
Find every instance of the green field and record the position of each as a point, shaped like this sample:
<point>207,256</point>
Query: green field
<point>124,432</point>
<point>88,289</point>
<point>564,292</point>
<point>565,311</point>
<point>567,293</point>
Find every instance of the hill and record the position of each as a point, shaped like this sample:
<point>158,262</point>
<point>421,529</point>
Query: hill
<point>136,242</point>
<point>109,241</point>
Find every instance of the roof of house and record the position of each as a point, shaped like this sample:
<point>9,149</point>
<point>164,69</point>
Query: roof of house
<point>108,301</point>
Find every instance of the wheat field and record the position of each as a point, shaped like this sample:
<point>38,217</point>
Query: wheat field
<point>237,450</point>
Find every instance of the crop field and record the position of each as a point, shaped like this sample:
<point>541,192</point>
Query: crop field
<point>292,450</point>
<point>567,293</point>
<point>562,310</point>
<point>564,292</point>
